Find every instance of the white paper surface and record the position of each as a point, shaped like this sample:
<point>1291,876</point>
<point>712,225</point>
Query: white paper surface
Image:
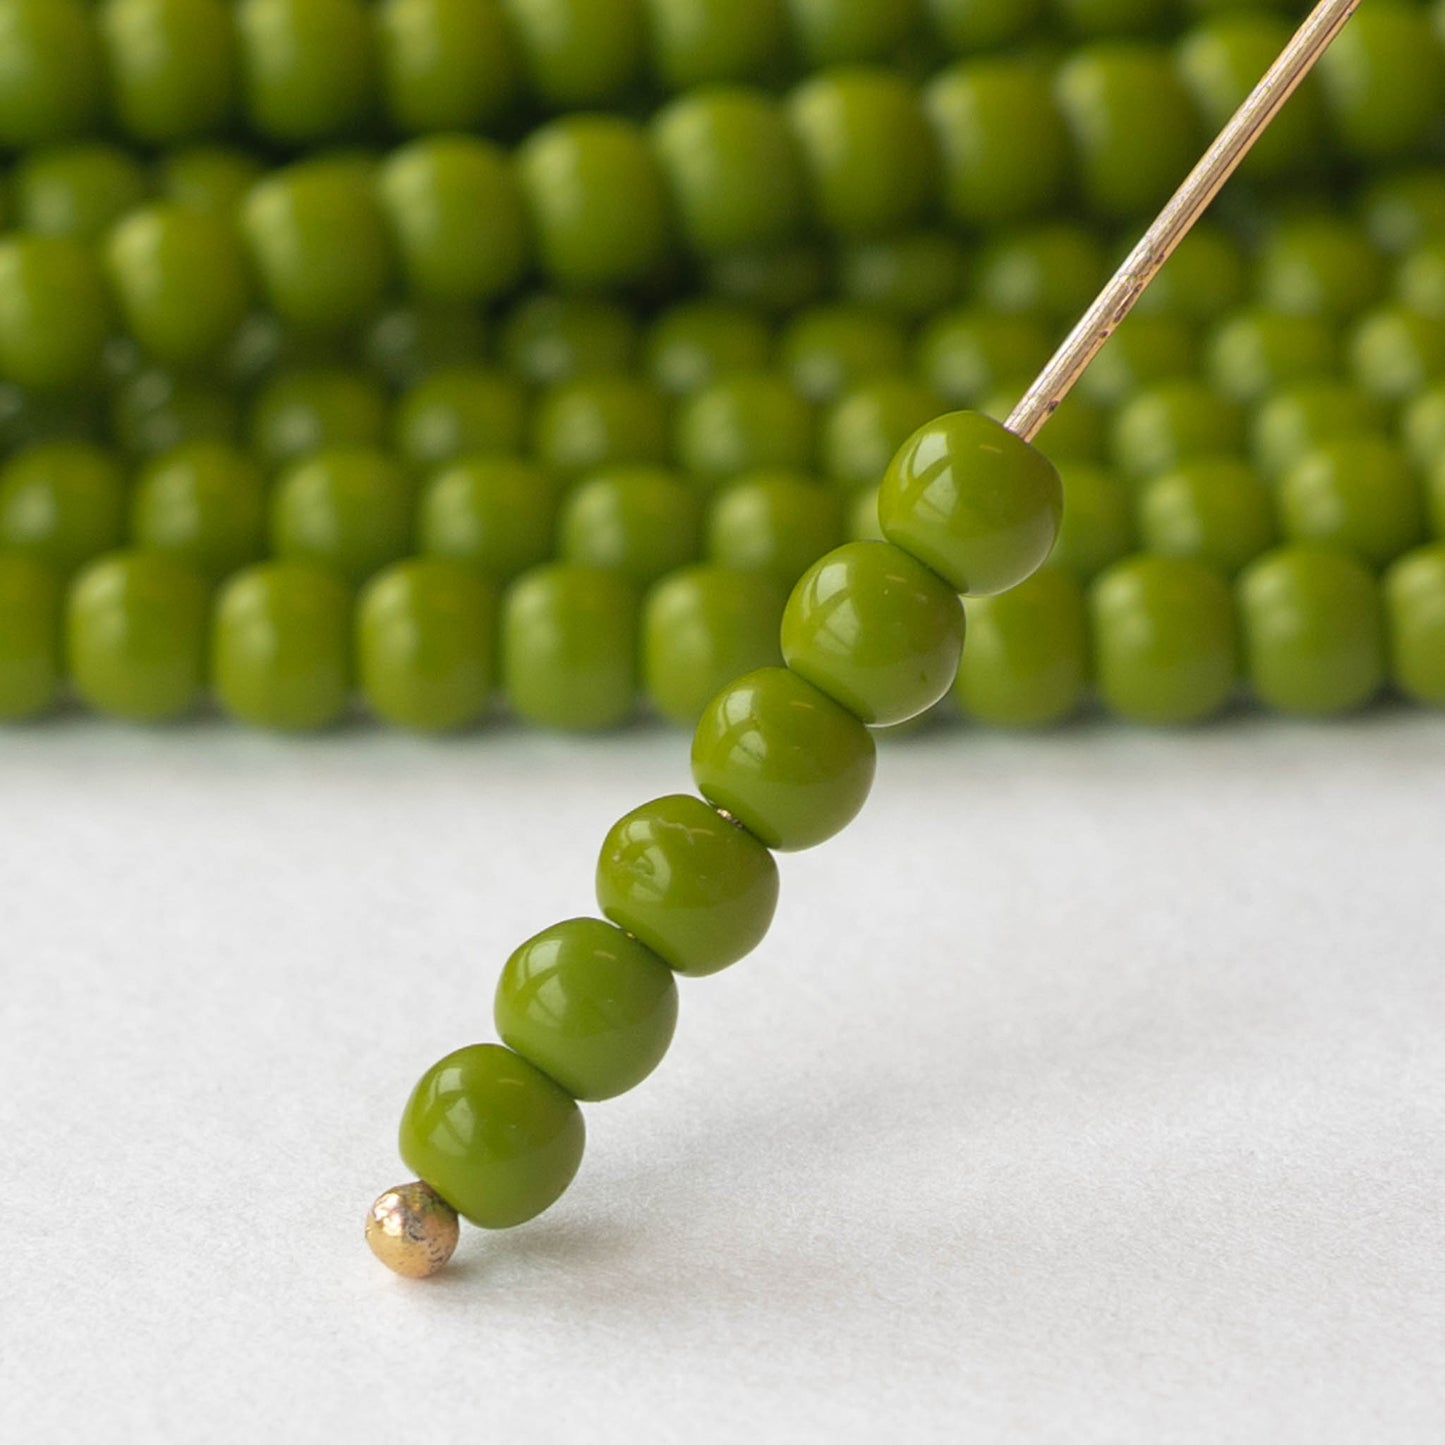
<point>1090,1088</point>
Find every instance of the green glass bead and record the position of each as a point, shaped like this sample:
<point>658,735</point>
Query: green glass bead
<point>1144,351</point>
<point>1293,423</point>
<point>693,343</point>
<point>597,199</point>
<point>569,647</point>
<point>828,349</point>
<point>579,53</point>
<point>1051,271</point>
<point>301,410</point>
<point>424,643</point>
<point>1004,148</point>
<point>281,647</point>
<point>733,168</point>
<point>158,410</point>
<point>1358,493</point>
<point>852,32</point>
<point>61,503</point>
<point>1205,277</point>
<point>446,65</point>
<point>405,343</point>
<point>493,1135</point>
<point>1313,631</point>
<point>1097,529</point>
<point>965,355</point>
<point>1216,510</point>
<point>703,42</point>
<point>203,504</point>
<point>347,508</point>
<point>1027,660</point>
<point>1396,353</point>
<point>1415,600</point>
<point>1255,353</point>
<point>1422,427</point>
<point>1420,281</point>
<point>1174,423</point>
<point>456,212</point>
<point>862,430</point>
<point>876,630</point>
<point>210,178</point>
<point>30,607</point>
<point>593,422</point>
<point>696,889</point>
<point>968,26</point>
<point>496,514</point>
<point>460,411</point>
<point>910,276</point>
<point>78,190</point>
<point>1165,639</point>
<point>974,502</point>
<point>701,628</point>
<point>1404,209</point>
<point>774,279</point>
<point>588,1005</point>
<point>1319,265</point>
<point>778,523</point>
<point>549,339</point>
<point>172,67</point>
<point>135,636</point>
<point>791,765</point>
<point>294,221</point>
<point>1435,497</point>
<point>51,73</point>
<point>868,149</point>
<point>180,278</point>
<point>307,67</point>
<point>54,313</point>
<point>743,423</point>
<point>639,521</point>
<point>1382,80</point>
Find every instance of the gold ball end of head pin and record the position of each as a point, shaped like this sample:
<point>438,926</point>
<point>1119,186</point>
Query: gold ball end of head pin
<point>412,1230</point>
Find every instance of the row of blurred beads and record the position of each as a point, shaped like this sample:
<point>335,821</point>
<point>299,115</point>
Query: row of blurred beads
<point>1162,640</point>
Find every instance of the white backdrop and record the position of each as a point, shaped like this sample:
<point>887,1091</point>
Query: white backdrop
<point>1090,1088</point>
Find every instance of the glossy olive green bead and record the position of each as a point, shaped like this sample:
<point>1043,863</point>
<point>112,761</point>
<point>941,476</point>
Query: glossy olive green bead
<point>1175,422</point>
<point>493,1135</point>
<point>1004,148</point>
<point>774,279</point>
<point>853,32</point>
<point>1404,209</point>
<point>693,887</point>
<point>968,26</point>
<point>599,421</point>
<point>497,514</point>
<point>51,71</point>
<point>579,53</point>
<point>293,221</point>
<point>181,281</point>
<point>598,201</point>
<point>701,628</point>
<point>281,650</point>
<point>1313,631</point>
<point>733,169</point>
<point>774,522</point>
<point>1027,660</point>
<point>1420,280</point>
<point>868,149</point>
<point>569,647</point>
<point>547,339</point>
<point>640,521</point>
<point>54,312</point>
<point>307,67</point>
<point>967,354</point>
<point>1165,639</point>
<point>701,42</point>
<point>693,343</point>
<point>1395,353</point>
<point>876,630</point>
<point>1207,275</point>
<point>456,212</point>
<point>910,276</point>
<point>862,430</point>
<point>826,350</point>
<point>1097,529</point>
<point>298,411</point>
<point>445,65</point>
<point>588,1005</point>
<point>1415,600</point>
<point>1145,351</point>
<point>80,189</point>
<point>1052,270</point>
<point>135,636</point>
<point>790,764</point>
<point>973,501</point>
<point>61,503</point>
<point>424,644</point>
<point>1422,427</point>
<point>743,423</point>
<point>30,614</point>
<point>1215,509</point>
<point>159,409</point>
<point>209,177</point>
<point>1319,265</point>
<point>1358,493</point>
<point>204,504</point>
<point>460,411</point>
<point>1255,353</point>
<point>347,508</point>
<point>1294,422</point>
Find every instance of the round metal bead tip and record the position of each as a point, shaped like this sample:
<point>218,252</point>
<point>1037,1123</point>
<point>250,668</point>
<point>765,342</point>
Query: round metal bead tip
<point>412,1230</point>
